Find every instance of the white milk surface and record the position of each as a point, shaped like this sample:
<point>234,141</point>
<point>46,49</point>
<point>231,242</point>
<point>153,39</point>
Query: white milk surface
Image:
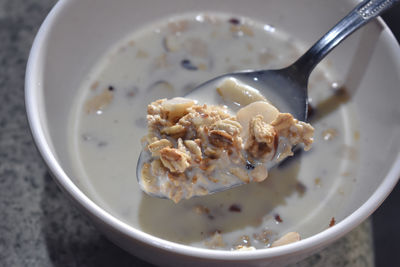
<point>168,59</point>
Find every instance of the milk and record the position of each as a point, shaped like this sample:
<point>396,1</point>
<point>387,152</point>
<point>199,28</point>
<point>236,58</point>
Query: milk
<point>168,59</point>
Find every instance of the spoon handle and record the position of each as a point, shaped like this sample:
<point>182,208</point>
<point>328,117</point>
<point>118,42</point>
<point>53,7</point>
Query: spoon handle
<point>360,15</point>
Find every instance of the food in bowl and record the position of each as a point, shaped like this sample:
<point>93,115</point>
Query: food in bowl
<point>194,150</point>
<point>168,59</point>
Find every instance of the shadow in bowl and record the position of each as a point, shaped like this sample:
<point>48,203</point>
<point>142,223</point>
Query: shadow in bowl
<point>355,74</point>
<point>362,57</point>
<point>71,239</point>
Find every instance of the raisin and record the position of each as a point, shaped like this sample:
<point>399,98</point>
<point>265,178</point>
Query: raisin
<point>278,218</point>
<point>187,64</point>
<point>234,21</point>
<point>332,222</point>
<point>249,166</point>
<point>235,208</point>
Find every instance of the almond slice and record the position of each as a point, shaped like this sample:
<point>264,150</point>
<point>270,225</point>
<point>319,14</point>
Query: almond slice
<point>231,90</point>
<point>290,237</point>
<point>246,114</point>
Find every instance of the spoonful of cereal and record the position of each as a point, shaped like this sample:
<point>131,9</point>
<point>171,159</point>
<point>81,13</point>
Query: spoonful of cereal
<point>195,149</point>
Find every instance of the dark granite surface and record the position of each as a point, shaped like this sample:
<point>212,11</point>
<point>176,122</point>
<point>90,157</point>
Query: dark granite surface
<point>386,219</point>
<point>40,227</point>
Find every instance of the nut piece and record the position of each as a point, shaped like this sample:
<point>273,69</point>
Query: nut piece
<point>176,108</point>
<point>246,114</point>
<point>232,90</point>
<point>288,238</point>
<point>156,146</point>
<point>259,173</point>
<point>175,160</point>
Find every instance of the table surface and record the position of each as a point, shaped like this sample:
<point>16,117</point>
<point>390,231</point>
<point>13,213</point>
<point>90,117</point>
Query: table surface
<point>38,224</point>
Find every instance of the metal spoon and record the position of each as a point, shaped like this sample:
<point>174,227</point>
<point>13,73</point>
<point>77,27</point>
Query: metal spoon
<point>287,88</point>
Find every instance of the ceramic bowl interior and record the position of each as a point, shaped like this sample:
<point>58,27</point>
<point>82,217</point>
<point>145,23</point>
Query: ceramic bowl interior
<point>78,32</point>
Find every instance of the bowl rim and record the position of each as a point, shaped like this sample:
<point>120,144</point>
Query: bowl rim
<point>33,85</point>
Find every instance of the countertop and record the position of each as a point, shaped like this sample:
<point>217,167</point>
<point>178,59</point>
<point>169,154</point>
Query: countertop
<point>39,226</point>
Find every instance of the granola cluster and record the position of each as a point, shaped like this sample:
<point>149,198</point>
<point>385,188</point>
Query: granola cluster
<point>186,137</point>
<point>193,147</point>
<point>294,131</point>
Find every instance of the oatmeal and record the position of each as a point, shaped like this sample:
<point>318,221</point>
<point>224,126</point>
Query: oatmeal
<point>195,150</point>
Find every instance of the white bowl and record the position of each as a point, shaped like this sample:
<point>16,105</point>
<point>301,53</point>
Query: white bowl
<point>77,32</point>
